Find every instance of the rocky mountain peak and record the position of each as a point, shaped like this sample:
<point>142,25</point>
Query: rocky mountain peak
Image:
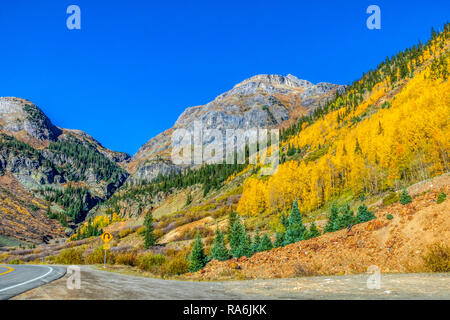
<point>262,101</point>
<point>20,115</point>
<point>276,80</point>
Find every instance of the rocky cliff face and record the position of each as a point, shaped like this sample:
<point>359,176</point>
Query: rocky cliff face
<point>21,116</point>
<point>263,101</point>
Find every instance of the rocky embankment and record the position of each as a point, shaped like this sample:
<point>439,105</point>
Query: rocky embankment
<point>396,245</point>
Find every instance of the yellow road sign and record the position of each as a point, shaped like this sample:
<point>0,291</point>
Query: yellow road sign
<point>106,236</point>
<point>105,246</point>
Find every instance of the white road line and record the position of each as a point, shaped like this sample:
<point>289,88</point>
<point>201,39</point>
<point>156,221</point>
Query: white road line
<point>21,284</point>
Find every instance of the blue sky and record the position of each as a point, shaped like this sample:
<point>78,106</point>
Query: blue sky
<point>136,65</point>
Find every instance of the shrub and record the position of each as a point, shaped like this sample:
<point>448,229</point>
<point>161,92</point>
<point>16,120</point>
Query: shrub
<point>3,256</point>
<point>125,232</point>
<point>389,216</point>
<point>364,214</point>
<point>441,197</point>
<point>70,256</point>
<point>345,218</point>
<point>98,255</point>
<point>16,261</point>
<point>126,258</point>
<point>405,198</point>
<point>141,230</point>
<point>150,261</point>
<point>178,265</point>
<point>391,198</point>
<point>437,258</point>
<point>158,233</point>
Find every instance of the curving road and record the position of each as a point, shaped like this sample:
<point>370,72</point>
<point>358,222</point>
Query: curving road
<point>16,279</point>
<point>100,285</point>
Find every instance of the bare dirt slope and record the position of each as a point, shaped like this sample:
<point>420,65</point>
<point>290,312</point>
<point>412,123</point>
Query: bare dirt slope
<point>23,216</point>
<point>395,245</point>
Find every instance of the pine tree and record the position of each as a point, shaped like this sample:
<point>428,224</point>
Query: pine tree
<point>295,228</point>
<point>149,237</point>
<point>218,249</point>
<point>284,221</point>
<point>189,199</point>
<point>313,232</point>
<point>405,198</point>
<point>236,237</point>
<point>364,214</point>
<point>334,211</point>
<point>232,218</point>
<point>197,259</point>
<point>256,242</point>
<point>345,218</point>
<point>265,244</point>
<point>245,249</point>
<point>279,239</point>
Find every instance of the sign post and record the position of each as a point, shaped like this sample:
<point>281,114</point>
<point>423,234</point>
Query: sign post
<point>106,237</point>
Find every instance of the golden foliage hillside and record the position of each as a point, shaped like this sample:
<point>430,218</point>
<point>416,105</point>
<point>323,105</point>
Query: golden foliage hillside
<point>396,136</point>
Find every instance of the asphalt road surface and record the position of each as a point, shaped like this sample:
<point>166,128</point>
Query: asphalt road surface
<point>100,285</point>
<point>16,279</point>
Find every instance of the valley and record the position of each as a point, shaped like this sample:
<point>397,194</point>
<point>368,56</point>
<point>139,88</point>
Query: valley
<point>363,181</point>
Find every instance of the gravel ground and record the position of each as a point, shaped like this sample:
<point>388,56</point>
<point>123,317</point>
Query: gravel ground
<point>96,284</point>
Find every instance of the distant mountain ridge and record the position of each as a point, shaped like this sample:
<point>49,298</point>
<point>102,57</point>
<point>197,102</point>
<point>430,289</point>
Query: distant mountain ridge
<point>49,172</point>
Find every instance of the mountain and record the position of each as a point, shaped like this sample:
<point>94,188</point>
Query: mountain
<point>56,172</point>
<point>363,179</point>
<point>355,158</point>
<point>262,101</point>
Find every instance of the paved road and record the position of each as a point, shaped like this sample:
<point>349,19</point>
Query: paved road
<point>16,279</point>
<point>97,284</point>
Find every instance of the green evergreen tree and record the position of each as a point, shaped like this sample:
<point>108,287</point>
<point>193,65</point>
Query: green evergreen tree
<point>345,218</point>
<point>232,218</point>
<point>364,214</point>
<point>236,237</point>
<point>295,228</point>
<point>256,242</point>
<point>189,199</point>
<point>405,198</point>
<point>284,221</point>
<point>218,249</point>
<point>334,211</point>
<point>265,244</point>
<point>197,259</point>
<point>279,239</point>
<point>245,249</point>
<point>313,232</point>
<point>149,237</point>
